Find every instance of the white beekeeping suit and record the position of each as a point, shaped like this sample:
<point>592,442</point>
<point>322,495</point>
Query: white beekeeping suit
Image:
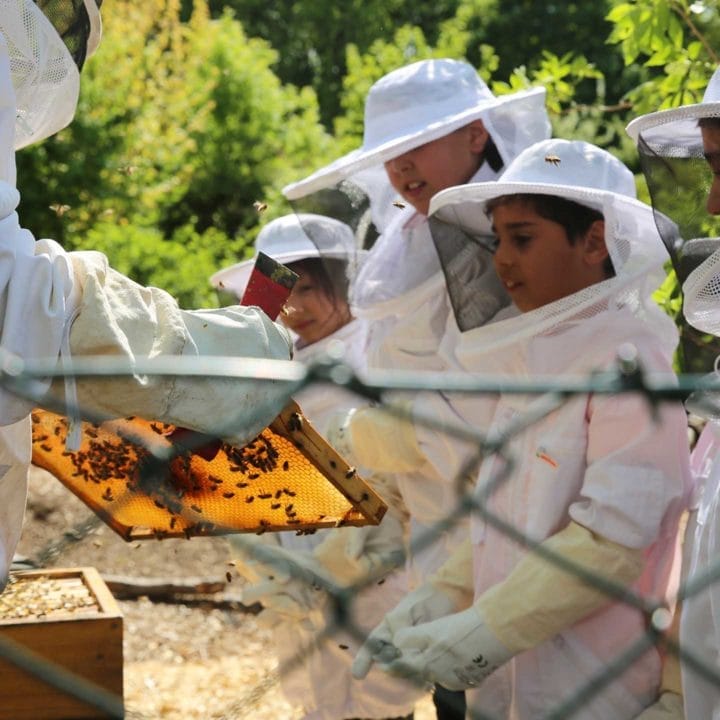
<point>680,160</point>
<point>53,302</point>
<point>318,676</point>
<point>400,290</point>
<point>600,480</point>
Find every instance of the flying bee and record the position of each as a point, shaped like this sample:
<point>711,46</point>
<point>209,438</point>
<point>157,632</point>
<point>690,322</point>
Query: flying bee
<point>260,206</point>
<point>399,204</point>
<point>554,159</point>
<point>59,209</point>
<point>127,169</point>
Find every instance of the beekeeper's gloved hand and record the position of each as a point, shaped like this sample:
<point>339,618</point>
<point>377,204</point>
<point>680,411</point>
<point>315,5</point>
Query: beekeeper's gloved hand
<point>457,651</point>
<point>377,439</point>
<point>445,593</point>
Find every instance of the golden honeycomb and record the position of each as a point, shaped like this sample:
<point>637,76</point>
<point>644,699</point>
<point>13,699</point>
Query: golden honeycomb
<point>143,484</point>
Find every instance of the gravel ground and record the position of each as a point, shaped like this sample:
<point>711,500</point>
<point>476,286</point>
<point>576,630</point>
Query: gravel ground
<point>181,662</point>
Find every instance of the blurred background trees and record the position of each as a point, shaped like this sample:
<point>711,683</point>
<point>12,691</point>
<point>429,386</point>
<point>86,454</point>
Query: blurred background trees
<point>191,110</point>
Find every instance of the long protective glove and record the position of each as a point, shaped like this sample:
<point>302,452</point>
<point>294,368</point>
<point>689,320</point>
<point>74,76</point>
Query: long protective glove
<point>445,593</point>
<point>534,603</point>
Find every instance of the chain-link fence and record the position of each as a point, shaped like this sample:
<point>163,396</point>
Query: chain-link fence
<point>339,602</point>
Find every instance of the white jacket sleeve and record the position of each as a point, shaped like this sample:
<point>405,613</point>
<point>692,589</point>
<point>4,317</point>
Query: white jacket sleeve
<point>116,316</point>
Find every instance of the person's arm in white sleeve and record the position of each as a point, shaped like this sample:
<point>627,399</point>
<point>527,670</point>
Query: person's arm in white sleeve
<point>118,317</point>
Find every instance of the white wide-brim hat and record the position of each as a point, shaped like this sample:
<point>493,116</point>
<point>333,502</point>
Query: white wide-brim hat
<point>291,238</point>
<point>671,132</point>
<point>427,100</point>
<point>574,170</point>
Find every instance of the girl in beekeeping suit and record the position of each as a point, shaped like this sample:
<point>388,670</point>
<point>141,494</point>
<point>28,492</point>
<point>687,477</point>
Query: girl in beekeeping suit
<point>315,673</point>
<point>680,158</point>
<point>54,303</point>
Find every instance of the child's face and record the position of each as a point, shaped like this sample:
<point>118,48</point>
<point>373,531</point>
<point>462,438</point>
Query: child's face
<point>450,160</point>
<point>535,260</point>
<point>310,313</point>
<point>711,147</point>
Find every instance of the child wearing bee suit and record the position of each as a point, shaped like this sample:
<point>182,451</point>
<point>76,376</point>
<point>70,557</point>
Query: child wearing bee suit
<point>430,125</point>
<point>316,672</point>
<point>598,480</point>
<point>680,153</point>
<point>57,303</point>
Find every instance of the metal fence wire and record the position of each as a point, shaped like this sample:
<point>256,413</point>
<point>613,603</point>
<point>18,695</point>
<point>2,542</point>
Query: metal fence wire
<point>21,378</point>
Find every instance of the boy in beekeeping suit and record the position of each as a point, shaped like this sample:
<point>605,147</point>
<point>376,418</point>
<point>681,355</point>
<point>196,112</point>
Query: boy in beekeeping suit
<point>680,158</point>
<point>596,480</point>
<point>54,303</point>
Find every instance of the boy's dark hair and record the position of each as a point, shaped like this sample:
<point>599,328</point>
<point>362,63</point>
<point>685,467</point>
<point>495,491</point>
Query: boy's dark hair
<point>329,274</point>
<point>709,122</point>
<point>574,217</point>
<point>492,155</point>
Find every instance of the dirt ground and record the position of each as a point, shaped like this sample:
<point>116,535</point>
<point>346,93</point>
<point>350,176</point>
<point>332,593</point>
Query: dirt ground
<point>181,661</point>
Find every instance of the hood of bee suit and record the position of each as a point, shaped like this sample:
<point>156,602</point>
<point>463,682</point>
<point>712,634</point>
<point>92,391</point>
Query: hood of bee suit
<point>679,178</point>
<point>47,44</point>
<point>35,277</point>
<point>590,176</point>
<point>290,238</point>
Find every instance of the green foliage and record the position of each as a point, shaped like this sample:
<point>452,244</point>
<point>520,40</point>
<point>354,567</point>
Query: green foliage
<point>182,264</point>
<point>672,40</point>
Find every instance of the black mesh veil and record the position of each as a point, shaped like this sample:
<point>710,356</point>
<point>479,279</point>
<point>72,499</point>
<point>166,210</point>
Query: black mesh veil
<point>474,289</point>
<point>73,23</point>
<point>679,179</point>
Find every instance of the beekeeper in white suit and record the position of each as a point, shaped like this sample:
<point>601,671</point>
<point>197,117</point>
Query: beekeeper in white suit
<point>680,157</point>
<point>316,672</point>
<point>55,303</point>
<point>599,480</point>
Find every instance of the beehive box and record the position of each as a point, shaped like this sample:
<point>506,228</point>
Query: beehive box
<point>70,618</point>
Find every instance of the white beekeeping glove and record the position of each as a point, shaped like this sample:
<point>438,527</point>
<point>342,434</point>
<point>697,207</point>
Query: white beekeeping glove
<point>445,593</point>
<point>457,651</point>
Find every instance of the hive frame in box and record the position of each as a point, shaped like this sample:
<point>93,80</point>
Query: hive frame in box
<point>185,494</point>
<point>86,642</point>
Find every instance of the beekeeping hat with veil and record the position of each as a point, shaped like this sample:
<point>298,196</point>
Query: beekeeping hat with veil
<point>42,48</point>
<point>407,108</point>
<point>679,179</point>
<point>587,175</point>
